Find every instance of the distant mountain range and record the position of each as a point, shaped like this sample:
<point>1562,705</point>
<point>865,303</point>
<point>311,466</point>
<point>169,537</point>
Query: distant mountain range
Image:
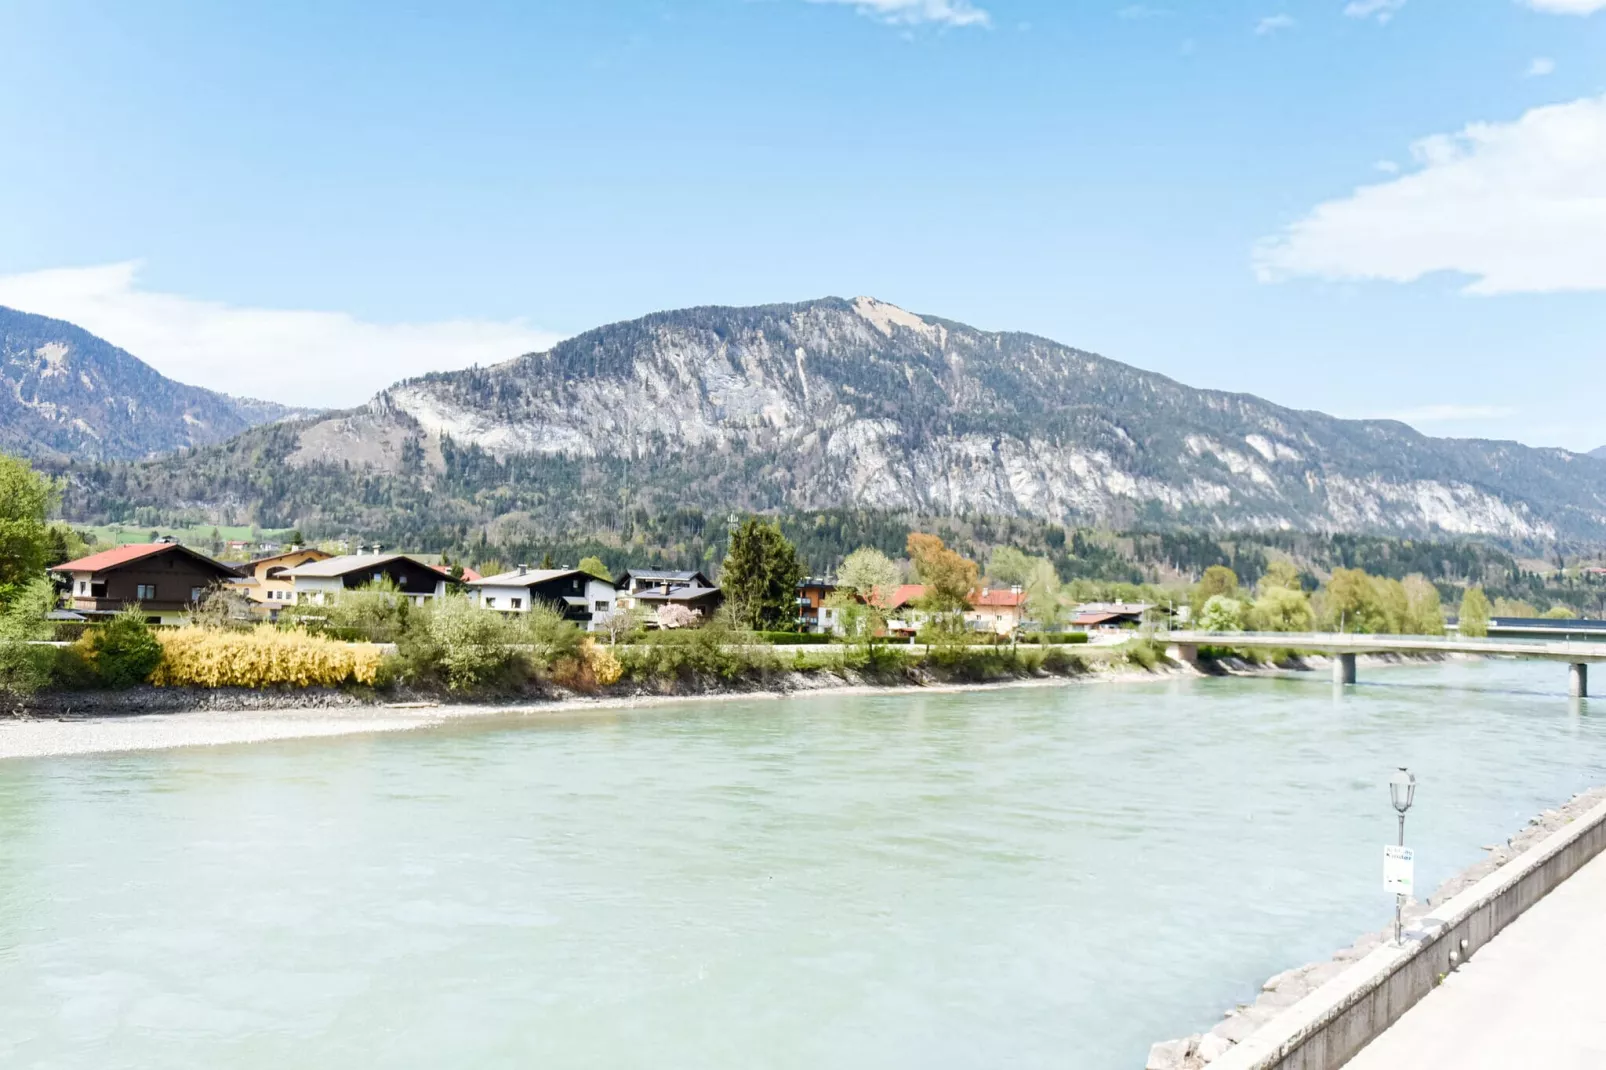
<point>66,394</point>
<point>1599,451</point>
<point>847,403</point>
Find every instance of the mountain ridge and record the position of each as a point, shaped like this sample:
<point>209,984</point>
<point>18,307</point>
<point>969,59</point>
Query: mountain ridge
<point>65,392</point>
<point>833,403</point>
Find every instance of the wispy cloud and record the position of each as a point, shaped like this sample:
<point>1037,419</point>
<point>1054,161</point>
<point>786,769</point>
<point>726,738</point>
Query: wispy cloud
<point>914,12</point>
<point>1540,67</point>
<point>321,359</point>
<point>1274,23</point>
<point>1388,167</point>
<point>1568,7</point>
<point>1381,10</point>
<point>1515,205</point>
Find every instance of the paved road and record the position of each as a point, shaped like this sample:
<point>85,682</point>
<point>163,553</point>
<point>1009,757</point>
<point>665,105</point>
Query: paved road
<point>1534,996</point>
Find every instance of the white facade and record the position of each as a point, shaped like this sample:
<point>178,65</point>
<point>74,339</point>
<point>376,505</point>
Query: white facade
<point>593,600</point>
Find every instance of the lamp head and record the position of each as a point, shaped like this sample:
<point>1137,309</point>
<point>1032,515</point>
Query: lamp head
<point>1402,789</point>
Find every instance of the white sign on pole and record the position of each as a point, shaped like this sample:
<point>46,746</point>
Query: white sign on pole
<point>1399,869</point>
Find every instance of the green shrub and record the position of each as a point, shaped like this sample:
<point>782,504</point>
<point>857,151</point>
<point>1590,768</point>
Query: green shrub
<point>122,652</point>
<point>1063,662</point>
<point>1144,653</point>
<point>1054,638</point>
<point>794,638</point>
<point>717,649</point>
<point>452,642</point>
<point>24,666</point>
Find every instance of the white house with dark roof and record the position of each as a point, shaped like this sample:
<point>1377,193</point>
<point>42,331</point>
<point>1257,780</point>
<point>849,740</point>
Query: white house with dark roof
<point>317,581</point>
<point>579,596</point>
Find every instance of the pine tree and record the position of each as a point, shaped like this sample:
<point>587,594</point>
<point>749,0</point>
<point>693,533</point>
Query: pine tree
<point>760,576</point>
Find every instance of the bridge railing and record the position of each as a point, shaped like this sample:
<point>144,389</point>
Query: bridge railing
<point>1296,640</point>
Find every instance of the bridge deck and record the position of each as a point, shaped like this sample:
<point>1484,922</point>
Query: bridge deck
<point>1576,651</point>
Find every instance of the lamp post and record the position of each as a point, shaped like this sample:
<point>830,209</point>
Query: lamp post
<point>1402,793</point>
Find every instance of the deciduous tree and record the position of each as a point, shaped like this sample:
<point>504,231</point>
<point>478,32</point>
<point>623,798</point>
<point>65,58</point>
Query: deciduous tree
<point>948,576</point>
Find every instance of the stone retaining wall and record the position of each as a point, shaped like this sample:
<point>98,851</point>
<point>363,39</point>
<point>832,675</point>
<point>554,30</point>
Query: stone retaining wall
<point>1317,1017</point>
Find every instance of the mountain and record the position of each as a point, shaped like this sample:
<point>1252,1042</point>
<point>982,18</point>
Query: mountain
<point>1599,451</point>
<point>849,403</point>
<point>65,393</point>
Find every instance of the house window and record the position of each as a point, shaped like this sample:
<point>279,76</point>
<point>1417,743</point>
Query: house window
<point>490,603</point>
<point>195,594</point>
<point>83,586</point>
<point>518,603</point>
<point>602,606</point>
<point>145,592</point>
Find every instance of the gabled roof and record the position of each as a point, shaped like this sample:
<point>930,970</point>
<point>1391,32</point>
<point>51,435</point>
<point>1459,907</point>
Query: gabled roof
<point>139,551</point>
<point>324,555</point>
<point>658,575</point>
<point>676,594</point>
<point>530,577</point>
<point>997,599</point>
<point>469,575</point>
<point>346,564</point>
<point>905,594</point>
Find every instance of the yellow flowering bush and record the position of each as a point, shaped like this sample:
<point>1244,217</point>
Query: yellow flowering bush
<point>262,657</point>
<point>588,668</point>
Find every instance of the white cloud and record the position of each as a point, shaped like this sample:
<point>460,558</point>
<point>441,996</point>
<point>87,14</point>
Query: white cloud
<point>1382,10</point>
<point>1272,23</point>
<point>1568,7</point>
<point>320,359</point>
<point>1541,66</point>
<point>910,12</point>
<point>1519,206</point>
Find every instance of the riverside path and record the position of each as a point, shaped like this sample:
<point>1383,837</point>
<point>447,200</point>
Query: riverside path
<point>1530,998</point>
<point>1343,647</point>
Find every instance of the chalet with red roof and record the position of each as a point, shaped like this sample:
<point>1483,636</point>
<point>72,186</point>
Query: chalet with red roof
<point>163,578</point>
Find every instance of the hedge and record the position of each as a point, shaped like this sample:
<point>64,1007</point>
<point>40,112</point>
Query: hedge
<point>262,657</point>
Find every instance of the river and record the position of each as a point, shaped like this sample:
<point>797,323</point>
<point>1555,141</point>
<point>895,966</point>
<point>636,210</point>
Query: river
<point>1034,877</point>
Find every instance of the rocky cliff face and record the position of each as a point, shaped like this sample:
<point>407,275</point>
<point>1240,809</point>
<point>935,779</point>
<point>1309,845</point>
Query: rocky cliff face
<point>66,394</point>
<point>838,402</point>
<point>853,403</point>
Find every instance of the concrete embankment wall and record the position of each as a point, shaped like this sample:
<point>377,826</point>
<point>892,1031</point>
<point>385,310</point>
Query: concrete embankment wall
<point>1324,1030</point>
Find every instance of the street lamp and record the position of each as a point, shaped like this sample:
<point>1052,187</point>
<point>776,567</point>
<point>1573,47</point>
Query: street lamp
<point>1402,793</point>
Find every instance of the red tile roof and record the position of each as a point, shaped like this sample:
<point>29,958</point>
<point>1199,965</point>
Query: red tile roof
<point>997,599</point>
<point>122,555</point>
<point>469,575</point>
<point>909,592</point>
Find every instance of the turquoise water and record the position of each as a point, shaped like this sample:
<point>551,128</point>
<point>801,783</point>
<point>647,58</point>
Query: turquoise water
<point>1029,877</point>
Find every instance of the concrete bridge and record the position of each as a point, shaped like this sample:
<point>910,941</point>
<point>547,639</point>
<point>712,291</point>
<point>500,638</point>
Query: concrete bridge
<point>1577,654</point>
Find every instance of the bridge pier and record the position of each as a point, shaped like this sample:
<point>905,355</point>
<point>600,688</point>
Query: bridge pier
<point>1343,669</point>
<point>1578,680</point>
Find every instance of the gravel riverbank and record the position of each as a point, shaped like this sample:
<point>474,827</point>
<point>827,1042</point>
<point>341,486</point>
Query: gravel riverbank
<point>150,718</point>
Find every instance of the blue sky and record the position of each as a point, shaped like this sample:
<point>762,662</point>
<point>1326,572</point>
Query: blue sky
<point>1370,208</point>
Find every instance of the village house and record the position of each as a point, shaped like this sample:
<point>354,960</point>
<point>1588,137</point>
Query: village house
<point>813,615</point>
<point>316,581</point>
<point>649,590</point>
<point>997,611</point>
<point>164,579</point>
<point>267,582</point>
<point>904,619</point>
<point>579,596</point>
<point>1109,616</point>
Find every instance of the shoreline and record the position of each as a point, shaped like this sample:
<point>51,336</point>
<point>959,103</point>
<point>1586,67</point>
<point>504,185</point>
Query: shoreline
<point>266,717</point>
